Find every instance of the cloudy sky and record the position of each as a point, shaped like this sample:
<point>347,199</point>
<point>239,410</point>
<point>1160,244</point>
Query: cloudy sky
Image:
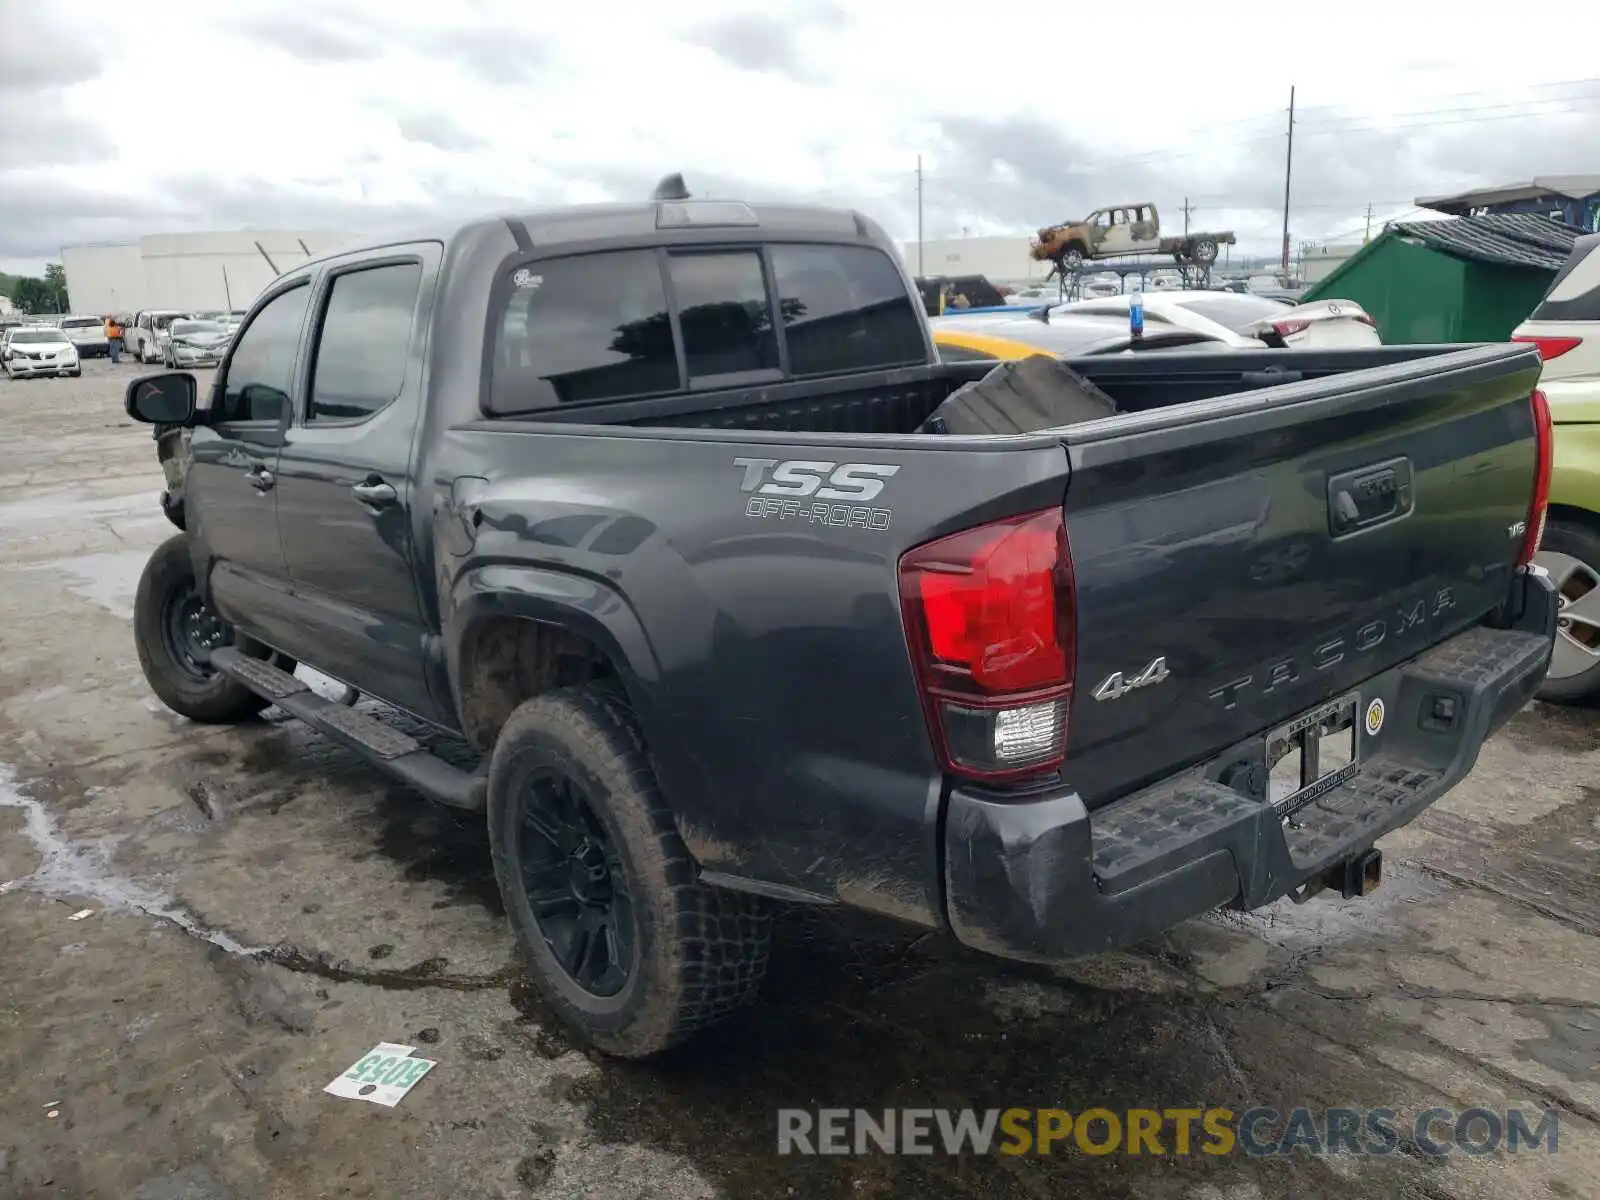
<point>363,116</point>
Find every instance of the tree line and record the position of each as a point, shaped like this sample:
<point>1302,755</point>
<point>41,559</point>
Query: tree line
<point>35,294</point>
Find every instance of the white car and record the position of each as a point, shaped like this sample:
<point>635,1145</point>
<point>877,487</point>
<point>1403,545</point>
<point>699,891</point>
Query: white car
<point>1245,322</point>
<point>88,334</point>
<point>194,343</point>
<point>143,338</point>
<point>32,350</point>
<point>1035,295</point>
<point>1566,328</point>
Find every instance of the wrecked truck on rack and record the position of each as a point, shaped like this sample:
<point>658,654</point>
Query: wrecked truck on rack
<point>666,531</point>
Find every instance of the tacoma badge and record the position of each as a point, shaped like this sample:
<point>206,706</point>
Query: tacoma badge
<point>1114,686</point>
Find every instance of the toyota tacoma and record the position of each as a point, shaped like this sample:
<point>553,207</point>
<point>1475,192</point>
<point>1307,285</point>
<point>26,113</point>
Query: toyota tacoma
<point>659,535</point>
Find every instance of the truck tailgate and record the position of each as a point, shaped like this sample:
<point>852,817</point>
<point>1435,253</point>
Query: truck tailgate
<point>1241,560</point>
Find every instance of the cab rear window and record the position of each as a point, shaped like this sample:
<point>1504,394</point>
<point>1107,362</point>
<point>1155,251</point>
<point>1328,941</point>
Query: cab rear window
<point>632,324</point>
<point>845,308</point>
<point>583,329</point>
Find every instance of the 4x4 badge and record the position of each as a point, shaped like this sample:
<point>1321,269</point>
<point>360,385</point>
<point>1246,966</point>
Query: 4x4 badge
<point>1114,686</point>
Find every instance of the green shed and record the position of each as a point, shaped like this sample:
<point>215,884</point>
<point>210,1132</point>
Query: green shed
<point>1469,279</point>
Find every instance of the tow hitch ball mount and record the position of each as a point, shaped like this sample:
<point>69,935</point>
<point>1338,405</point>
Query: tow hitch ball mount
<point>1357,876</point>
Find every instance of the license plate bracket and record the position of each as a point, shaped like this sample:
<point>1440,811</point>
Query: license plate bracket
<point>1312,754</point>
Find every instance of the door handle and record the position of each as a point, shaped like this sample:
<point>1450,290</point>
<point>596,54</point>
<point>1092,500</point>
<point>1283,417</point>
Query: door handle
<point>262,480</point>
<point>375,493</point>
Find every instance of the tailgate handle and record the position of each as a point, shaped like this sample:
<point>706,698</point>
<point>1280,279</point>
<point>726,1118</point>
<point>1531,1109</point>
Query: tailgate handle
<point>1369,496</point>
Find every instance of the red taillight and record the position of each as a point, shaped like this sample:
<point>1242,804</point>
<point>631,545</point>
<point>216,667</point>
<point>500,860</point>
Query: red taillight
<point>1285,328</point>
<point>1544,456</point>
<point>1550,347</point>
<point>989,616</point>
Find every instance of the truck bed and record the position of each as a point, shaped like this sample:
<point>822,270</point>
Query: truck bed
<point>896,403</point>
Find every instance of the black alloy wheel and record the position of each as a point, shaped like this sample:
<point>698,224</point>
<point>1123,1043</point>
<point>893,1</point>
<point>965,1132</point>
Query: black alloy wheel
<point>576,886</point>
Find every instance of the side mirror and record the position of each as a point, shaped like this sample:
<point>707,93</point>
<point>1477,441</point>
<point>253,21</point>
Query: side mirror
<point>167,399</point>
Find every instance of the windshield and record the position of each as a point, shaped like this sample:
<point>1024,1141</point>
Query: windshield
<point>34,336</point>
<point>82,323</point>
<point>164,321</point>
<point>189,328</point>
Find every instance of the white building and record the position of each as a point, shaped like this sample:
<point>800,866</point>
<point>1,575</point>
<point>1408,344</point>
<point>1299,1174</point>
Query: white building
<point>1002,259</point>
<point>187,270</point>
<point>1317,264</point>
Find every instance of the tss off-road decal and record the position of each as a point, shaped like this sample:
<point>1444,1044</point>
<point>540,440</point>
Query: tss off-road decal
<point>815,491</point>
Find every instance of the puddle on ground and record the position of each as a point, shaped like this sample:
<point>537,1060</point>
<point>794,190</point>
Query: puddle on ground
<point>109,580</point>
<point>854,1015</point>
<point>71,872</point>
<point>437,845</point>
<point>64,507</point>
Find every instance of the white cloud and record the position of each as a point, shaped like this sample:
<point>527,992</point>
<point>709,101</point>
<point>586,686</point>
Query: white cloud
<point>356,114</point>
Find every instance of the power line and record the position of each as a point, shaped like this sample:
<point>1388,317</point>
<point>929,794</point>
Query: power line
<point>1527,87</point>
<point>1520,108</point>
<point>1366,123</point>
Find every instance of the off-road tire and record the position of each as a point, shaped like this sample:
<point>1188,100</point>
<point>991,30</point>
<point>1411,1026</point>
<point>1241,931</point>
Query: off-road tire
<point>215,699</point>
<point>699,953</point>
<point>1582,542</point>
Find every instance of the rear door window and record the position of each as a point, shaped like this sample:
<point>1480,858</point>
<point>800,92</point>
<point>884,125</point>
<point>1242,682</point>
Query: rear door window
<point>724,313</point>
<point>366,332</point>
<point>845,308</point>
<point>581,329</point>
<point>1574,294</point>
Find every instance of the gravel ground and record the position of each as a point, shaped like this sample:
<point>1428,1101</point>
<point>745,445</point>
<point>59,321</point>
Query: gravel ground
<point>154,1050</point>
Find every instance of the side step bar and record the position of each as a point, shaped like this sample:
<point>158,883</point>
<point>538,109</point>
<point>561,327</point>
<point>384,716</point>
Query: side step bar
<point>400,754</point>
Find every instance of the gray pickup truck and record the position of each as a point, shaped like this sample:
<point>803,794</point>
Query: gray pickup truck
<point>639,511</point>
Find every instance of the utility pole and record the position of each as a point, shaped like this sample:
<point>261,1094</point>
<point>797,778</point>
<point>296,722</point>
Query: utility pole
<point>1288,174</point>
<point>1187,209</point>
<point>919,214</point>
<point>1368,238</point>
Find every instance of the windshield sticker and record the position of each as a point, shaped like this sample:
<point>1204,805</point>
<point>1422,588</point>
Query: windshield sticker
<point>525,280</point>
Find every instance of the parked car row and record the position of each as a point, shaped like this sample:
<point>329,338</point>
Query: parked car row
<point>176,339</point>
<point>149,337</point>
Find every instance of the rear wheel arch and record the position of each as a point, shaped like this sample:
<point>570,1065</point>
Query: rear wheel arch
<point>513,632</point>
<point>506,658</point>
<point>1576,514</point>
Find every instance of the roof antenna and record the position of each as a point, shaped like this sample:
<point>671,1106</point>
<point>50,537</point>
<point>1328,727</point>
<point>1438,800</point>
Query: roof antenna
<point>671,187</point>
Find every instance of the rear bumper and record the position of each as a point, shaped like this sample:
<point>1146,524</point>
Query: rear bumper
<point>1047,879</point>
